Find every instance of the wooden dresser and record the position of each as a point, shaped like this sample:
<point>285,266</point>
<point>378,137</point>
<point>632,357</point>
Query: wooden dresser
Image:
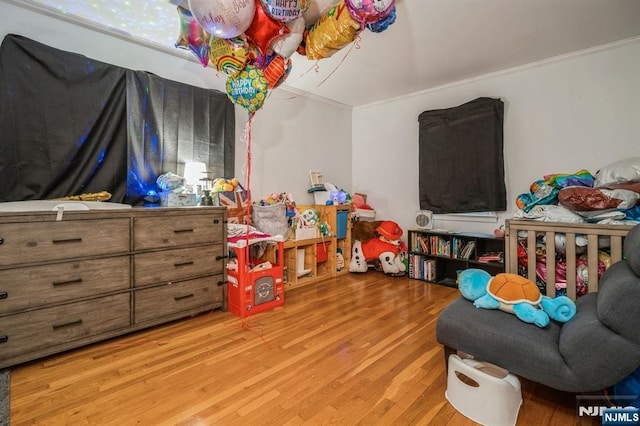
<point>77,278</point>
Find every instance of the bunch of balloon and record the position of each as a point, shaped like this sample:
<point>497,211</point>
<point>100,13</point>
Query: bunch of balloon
<point>252,41</point>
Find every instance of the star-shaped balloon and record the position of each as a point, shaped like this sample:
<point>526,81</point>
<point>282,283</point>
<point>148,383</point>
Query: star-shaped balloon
<point>192,36</point>
<point>264,29</point>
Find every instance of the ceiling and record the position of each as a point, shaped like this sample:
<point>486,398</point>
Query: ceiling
<point>431,44</point>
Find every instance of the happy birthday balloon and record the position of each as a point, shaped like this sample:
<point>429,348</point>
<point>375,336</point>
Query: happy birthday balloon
<point>285,10</point>
<point>192,36</point>
<point>286,44</point>
<point>368,11</point>
<point>229,56</point>
<point>223,18</point>
<point>248,88</point>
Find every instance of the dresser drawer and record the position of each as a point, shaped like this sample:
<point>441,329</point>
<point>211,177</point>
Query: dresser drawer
<point>163,301</point>
<point>24,243</point>
<point>174,231</point>
<point>31,287</point>
<point>30,331</point>
<point>177,264</point>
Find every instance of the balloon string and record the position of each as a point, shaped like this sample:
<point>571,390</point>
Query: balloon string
<point>314,67</point>
<point>247,183</point>
<point>355,44</point>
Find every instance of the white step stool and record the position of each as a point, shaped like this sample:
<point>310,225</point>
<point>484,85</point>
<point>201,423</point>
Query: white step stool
<point>483,392</point>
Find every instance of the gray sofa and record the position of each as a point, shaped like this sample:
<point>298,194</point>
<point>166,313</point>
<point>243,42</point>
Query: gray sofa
<point>597,348</point>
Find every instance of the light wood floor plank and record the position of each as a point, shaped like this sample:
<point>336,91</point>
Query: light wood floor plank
<point>356,350</point>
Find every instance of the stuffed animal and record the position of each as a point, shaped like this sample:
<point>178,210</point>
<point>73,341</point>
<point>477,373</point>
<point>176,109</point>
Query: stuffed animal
<point>514,294</point>
<point>385,248</point>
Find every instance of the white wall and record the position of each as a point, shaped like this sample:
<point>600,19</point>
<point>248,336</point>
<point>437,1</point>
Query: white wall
<point>291,134</point>
<point>577,112</point>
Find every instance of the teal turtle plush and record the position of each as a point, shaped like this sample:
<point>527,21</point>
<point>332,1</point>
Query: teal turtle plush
<point>514,294</point>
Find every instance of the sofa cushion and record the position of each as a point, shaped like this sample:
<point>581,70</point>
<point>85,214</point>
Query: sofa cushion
<point>619,301</point>
<point>502,339</point>
<point>538,354</point>
<point>592,350</point>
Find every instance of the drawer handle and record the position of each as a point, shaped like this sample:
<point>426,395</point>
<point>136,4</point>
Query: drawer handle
<point>68,240</point>
<point>4,295</point>
<point>221,283</point>
<point>219,257</point>
<point>4,339</point>
<point>181,231</point>
<point>1,240</point>
<point>177,265</point>
<point>184,296</point>
<point>67,282</point>
<point>66,324</point>
<point>216,221</point>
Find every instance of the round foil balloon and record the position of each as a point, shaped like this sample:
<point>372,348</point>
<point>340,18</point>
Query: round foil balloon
<point>248,88</point>
<point>285,10</point>
<point>286,44</point>
<point>192,36</point>
<point>223,18</point>
<point>383,24</point>
<point>229,56</point>
<point>368,11</point>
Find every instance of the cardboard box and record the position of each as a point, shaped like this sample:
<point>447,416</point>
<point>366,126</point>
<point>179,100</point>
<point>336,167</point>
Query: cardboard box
<point>174,199</point>
<point>306,232</point>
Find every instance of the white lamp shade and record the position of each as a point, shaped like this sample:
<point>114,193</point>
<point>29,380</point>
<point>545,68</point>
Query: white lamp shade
<point>193,172</point>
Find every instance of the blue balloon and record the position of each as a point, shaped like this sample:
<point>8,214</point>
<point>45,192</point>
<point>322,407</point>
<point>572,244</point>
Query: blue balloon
<point>383,24</point>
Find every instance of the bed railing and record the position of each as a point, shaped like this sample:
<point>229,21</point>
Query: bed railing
<point>592,232</point>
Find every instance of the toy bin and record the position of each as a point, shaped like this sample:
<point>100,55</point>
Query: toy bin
<point>483,392</point>
<point>341,223</point>
<point>254,289</point>
<point>322,252</point>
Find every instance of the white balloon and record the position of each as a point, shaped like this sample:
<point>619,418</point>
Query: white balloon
<point>223,18</point>
<point>316,9</point>
<point>285,45</point>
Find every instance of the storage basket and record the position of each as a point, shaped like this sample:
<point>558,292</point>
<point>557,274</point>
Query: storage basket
<point>341,223</point>
<point>271,219</point>
<point>483,392</point>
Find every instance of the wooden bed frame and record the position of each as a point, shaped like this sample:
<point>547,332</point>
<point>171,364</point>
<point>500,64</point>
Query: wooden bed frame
<point>592,232</point>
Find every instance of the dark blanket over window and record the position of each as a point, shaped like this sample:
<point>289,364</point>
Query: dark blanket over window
<point>71,125</point>
<point>170,123</point>
<point>62,126</point>
<point>461,163</point>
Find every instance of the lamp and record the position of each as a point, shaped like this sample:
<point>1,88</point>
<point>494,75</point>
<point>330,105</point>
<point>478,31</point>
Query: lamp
<point>193,172</point>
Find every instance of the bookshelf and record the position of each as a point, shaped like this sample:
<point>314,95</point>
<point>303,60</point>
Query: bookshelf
<point>437,255</point>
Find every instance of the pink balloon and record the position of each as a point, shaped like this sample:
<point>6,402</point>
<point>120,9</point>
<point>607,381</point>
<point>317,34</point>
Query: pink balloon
<point>368,11</point>
<point>223,18</point>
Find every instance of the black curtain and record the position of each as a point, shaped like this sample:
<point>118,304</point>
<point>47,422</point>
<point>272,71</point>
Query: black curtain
<point>62,123</point>
<point>461,162</point>
<point>71,125</point>
<point>171,123</point>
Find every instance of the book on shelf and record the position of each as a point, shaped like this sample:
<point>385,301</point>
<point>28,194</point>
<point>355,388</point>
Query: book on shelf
<point>491,257</point>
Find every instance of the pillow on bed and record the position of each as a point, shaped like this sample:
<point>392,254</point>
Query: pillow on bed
<point>627,170</point>
<point>580,198</point>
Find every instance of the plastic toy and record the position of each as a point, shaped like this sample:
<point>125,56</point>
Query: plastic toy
<point>385,248</point>
<point>514,294</point>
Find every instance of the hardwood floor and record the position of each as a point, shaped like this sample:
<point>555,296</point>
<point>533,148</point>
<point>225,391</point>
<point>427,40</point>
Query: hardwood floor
<point>355,350</point>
